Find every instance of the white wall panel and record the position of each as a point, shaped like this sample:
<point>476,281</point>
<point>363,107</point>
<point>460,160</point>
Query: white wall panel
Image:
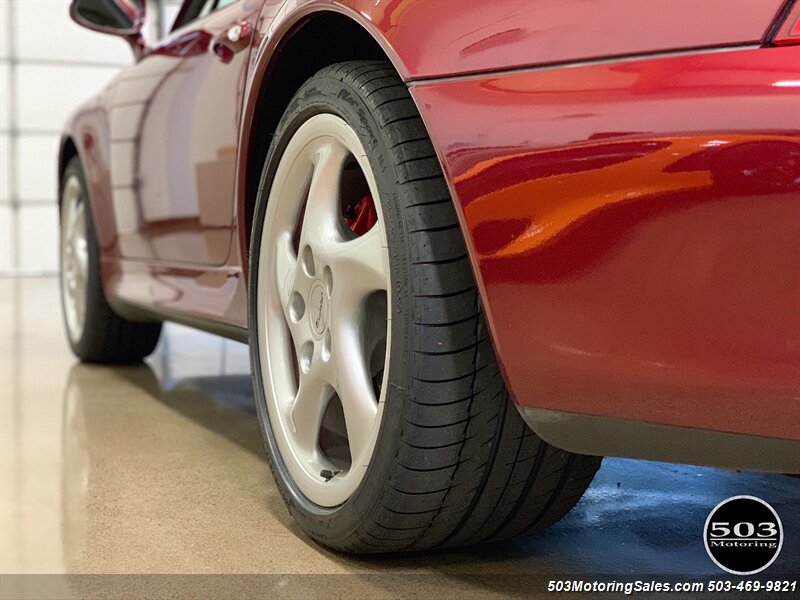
<point>47,94</point>
<point>49,20</point>
<point>5,168</point>
<point>4,28</point>
<point>37,157</point>
<point>5,92</point>
<point>38,241</point>
<point>6,238</point>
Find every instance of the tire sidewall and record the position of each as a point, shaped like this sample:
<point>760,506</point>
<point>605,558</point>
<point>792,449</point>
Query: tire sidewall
<point>328,94</point>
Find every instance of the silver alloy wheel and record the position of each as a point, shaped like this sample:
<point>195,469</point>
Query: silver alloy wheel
<point>319,330</point>
<point>74,257</point>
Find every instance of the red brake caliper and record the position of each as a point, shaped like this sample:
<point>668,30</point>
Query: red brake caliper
<point>364,216</point>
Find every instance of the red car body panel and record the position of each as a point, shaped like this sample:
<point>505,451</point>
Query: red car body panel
<point>436,38</point>
<point>175,120</point>
<point>636,228</point>
<point>632,221</point>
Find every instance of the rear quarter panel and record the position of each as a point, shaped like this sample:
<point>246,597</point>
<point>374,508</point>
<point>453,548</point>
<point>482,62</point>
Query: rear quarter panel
<point>434,38</point>
<point>635,227</point>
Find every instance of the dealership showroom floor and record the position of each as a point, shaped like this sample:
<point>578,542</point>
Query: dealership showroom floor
<point>160,469</point>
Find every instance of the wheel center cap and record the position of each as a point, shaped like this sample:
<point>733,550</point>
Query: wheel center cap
<point>318,308</point>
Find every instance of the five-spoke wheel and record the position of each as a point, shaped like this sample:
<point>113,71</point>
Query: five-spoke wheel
<point>323,276</point>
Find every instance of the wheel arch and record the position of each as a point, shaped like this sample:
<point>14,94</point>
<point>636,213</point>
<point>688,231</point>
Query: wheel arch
<point>303,43</point>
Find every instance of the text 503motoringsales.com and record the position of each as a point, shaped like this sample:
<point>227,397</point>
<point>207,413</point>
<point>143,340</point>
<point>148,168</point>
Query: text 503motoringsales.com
<point>631,587</point>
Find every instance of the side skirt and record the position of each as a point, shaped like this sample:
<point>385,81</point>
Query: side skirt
<point>604,436</point>
<point>138,312</point>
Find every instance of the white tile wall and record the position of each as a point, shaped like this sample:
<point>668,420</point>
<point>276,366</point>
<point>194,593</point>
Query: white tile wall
<point>36,167</point>
<point>47,94</point>
<point>39,243</point>
<point>3,33</point>
<point>5,90</point>
<point>6,238</point>
<point>74,43</point>
<point>59,65</point>
<point>5,168</point>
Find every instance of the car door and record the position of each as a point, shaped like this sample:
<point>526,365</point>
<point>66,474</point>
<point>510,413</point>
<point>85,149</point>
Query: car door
<point>174,125</point>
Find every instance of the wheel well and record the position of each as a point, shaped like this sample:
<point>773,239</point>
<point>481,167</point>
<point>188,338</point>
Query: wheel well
<point>321,40</point>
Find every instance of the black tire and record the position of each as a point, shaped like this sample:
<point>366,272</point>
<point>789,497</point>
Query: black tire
<point>454,463</point>
<point>106,337</point>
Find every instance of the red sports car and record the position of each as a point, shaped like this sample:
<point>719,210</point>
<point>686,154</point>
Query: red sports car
<point>473,246</point>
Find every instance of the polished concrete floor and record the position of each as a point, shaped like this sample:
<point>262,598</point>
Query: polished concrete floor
<point>160,469</point>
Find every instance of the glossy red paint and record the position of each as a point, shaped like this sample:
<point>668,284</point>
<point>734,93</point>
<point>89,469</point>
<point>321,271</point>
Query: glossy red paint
<point>163,172</point>
<point>173,154</point>
<point>435,38</point>
<point>215,295</point>
<point>635,229</point>
<point>631,221</point>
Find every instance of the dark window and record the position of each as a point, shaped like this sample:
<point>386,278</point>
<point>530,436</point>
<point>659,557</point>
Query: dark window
<point>196,9</point>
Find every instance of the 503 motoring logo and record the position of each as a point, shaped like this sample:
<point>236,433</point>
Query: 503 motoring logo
<point>743,535</point>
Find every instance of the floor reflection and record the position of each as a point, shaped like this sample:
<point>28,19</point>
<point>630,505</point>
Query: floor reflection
<point>160,468</point>
<point>221,404</point>
<point>155,468</point>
